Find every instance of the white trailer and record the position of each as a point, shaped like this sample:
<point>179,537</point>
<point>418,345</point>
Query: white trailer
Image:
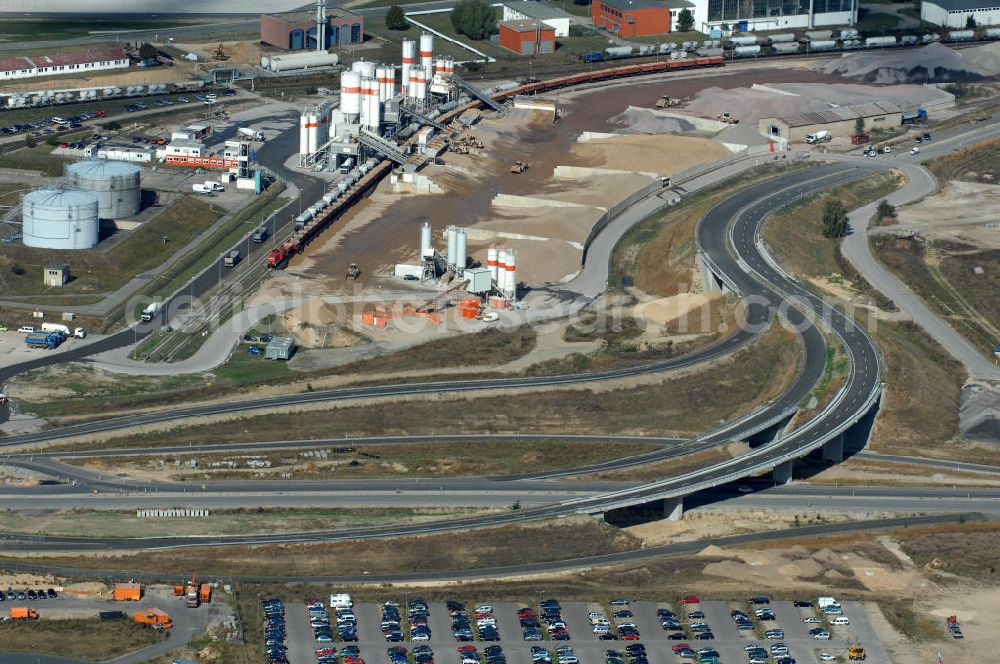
<point>250,134</point>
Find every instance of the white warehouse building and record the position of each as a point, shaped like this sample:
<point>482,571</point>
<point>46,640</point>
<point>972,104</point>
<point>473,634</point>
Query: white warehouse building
<point>956,13</point>
<point>529,10</point>
<point>747,16</point>
<point>30,66</point>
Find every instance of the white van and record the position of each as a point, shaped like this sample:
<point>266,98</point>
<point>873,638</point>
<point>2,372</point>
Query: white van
<point>341,601</point>
<point>840,620</point>
<point>26,329</point>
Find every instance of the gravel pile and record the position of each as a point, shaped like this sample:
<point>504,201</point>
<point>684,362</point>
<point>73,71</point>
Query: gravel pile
<point>749,105</point>
<point>985,57</point>
<point>934,63</point>
<point>636,120</point>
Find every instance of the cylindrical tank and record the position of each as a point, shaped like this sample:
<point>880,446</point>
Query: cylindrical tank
<point>461,251</point>
<point>115,183</point>
<point>743,41</point>
<point>491,261</point>
<point>409,59</point>
<point>908,40</point>
<point>350,93</point>
<point>786,47</point>
<point>501,274</point>
<point>849,34</point>
<point>421,85</point>
<point>880,42</point>
<point>427,54</point>
<point>60,219</point>
<point>265,62</point>
<point>666,47</point>
<point>822,45</point>
<point>426,250</point>
<point>303,60</point>
<point>304,133</point>
<point>313,125</point>
<point>992,33</point>
<point>510,278</point>
<point>961,35</point>
<point>851,44</point>
<point>618,51</point>
<point>746,51</point>
<point>782,38</point>
<point>452,244</point>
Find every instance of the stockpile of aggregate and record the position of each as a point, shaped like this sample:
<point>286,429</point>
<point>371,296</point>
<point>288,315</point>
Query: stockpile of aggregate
<point>934,63</point>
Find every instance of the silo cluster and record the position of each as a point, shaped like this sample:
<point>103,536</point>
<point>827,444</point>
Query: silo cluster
<point>60,219</point>
<point>116,185</point>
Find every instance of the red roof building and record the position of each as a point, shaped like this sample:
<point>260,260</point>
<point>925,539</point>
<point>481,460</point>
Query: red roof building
<point>63,63</point>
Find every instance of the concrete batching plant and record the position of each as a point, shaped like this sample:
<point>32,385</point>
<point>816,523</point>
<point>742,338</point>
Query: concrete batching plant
<point>114,183</point>
<point>60,219</point>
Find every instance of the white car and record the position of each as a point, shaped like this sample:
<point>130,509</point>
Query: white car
<point>914,150</point>
<point>826,657</point>
<point>812,620</point>
<point>491,317</point>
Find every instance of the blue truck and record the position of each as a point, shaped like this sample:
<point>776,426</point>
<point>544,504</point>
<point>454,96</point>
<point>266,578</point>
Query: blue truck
<point>44,339</point>
<point>596,56</point>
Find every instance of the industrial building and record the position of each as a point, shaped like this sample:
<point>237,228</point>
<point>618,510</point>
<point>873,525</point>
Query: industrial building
<point>116,185</point>
<point>84,62</point>
<point>60,219</point>
<point>529,10</point>
<point>526,37</point>
<point>840,122</point>
<point>56,275</point>
<point>771,14</point>
<point>956,13</point>
<point>635,18</point>
<point>295,31</point>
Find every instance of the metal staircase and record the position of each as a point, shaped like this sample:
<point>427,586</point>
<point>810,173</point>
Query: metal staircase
<point>378,144</point>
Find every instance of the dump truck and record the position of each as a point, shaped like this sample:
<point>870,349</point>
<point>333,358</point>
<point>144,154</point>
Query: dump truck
<point>155,618</point>
<point>23,613</point>
<point>666,101</point>
<point>519,167</point>
<point>205,593</point>
<point>856,653</point>
<point>727,118</point>
<point>353,272</point>
<point>127,592</point>
<point>48,340</point>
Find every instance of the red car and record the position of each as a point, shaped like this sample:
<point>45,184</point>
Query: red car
<point>629,636</point>
<point>690,599</point>
<point>681,646</point>
<point>467,648</point>
<point>325,651</point>
<point>101,114</point>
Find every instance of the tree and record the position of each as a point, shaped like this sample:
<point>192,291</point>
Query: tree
<point>834,219</point>
<point>112,126</point>
<point>885,209</point>
<point>475,19</point>
<point>147,51</point>
<point>582,3</point>
<point>685,20</point>
<point>29,141</point>
<point>859,126</point>
<point>395,19</point>
<point>970,22</point>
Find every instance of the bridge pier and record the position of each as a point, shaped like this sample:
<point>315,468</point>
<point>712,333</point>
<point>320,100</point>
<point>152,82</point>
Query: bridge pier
<point>857,436</point>
<point>833,449</point>
<point>782,473</point>
<point>673,508</point>
<point>655,510</point>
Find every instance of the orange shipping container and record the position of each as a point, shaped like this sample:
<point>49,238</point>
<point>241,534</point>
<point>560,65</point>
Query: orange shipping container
<point>128,592</point>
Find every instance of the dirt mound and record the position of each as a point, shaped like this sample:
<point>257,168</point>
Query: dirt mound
<point>985,57</point>
<point>635,120</point>
<point>86,589</point>
<point>934,63</point>
<point>728,569</point>
<point>712,551</point>
<point>802,569</point>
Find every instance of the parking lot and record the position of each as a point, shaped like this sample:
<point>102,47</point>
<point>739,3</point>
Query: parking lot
<point>730,643</point>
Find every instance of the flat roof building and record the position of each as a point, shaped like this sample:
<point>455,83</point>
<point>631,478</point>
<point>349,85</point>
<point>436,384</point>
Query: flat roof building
<point>280,348</point>
<point>956,13</point>
<point>527,37</point>
<point>840,122</point>
<point>29,66</point>
<point>529,10</point>
<point>295,31</point>
<point>637,18</point>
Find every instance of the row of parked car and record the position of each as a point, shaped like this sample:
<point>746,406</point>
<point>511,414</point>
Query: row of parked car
<point>467,654</point>
<point>275,633</point>
<point>12,594</point>
<point>38,127</point>
<point>319,620</point>
<point>635,653</point>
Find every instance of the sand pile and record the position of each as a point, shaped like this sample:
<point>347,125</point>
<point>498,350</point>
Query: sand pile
<point>749,105</point>
<point>660,154</point>
<point>635,120</point>
<point>985,57</point>
<point>931,63</point>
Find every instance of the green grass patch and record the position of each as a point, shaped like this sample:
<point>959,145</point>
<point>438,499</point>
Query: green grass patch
<point>877,23</point>
<point>912,623</point>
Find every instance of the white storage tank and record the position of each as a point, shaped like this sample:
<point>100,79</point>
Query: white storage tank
<point>115,183</point>
<point>60,219</point>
